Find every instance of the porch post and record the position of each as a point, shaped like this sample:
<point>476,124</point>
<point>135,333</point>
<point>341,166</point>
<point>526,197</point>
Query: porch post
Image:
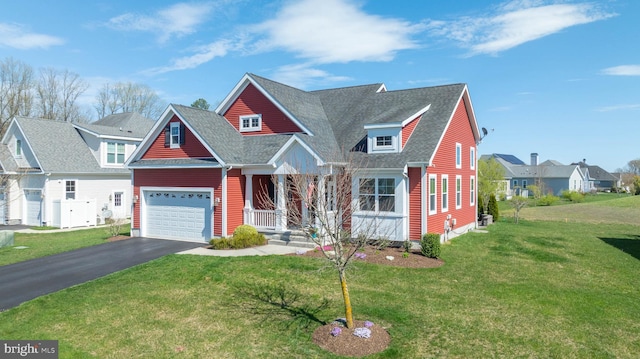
<point>321,207</point>
<point>248,199</point>
<point>281,209</point>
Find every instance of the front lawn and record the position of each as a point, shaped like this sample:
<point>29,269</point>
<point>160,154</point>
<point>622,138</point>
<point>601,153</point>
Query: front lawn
<point>537,289</point>
<point>45,244</point>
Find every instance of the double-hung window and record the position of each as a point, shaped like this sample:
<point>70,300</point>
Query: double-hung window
<point>458,192</point>
<point>175,135</point>
<point>472,158</point>
<point>432,194</point>
<point>70,189</point>
<point>384,141</point>
<point>472,190</point>
<point>115,153</point>
<point>444,188</point>
<point>377,194</point>
<point>458,155</point>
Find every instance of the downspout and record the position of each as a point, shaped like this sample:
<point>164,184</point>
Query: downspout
<point>407,220</point>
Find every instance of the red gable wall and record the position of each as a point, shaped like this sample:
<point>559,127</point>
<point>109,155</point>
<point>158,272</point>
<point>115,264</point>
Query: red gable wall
<point>253,102</point>
<point>459,131</point>
<point>408,129</point>
<point>192,147</point>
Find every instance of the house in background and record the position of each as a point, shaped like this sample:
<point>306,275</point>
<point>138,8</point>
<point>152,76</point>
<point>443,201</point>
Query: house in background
<point>199,174</point>
<point>599,179</point>
<point>552,175</point>
<point>68,175</point>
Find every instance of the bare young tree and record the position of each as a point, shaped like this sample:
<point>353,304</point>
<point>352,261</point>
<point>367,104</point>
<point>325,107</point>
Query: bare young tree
<point>128,97</point>
<point>16,97</point>
<point>320,203</point>
<point>518,203</point>
<point>57,92</point>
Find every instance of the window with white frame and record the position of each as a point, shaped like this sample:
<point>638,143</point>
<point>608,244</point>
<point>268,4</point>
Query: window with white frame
<point>384,141</point>
<point>444,190</point>
<point>117,199</point>
<point>472,190</point>
<point>174,140</point>
<point>377,194</point>
<point>18,148</point>
<point>115,153</point>
<point>458,155</point>
<point>472,160</point>
<point>432,194</point>
<point>458,192</point>
<point>250,123</point>
<point>70,189</point>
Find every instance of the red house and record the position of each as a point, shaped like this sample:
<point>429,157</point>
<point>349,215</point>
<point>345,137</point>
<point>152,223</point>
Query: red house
<point>197,174</point>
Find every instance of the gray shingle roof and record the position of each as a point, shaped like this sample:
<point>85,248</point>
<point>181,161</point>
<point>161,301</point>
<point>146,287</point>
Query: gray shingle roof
<point>129,124</point>
<point>59,147</point>
<point>335,120</point>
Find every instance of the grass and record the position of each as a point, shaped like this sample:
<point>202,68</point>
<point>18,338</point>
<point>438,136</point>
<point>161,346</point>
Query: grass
<point>44,244</point>
<point>537,289</point>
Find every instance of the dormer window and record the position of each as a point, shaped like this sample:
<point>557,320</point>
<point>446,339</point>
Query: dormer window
<point>174,135</point>
<point>250,123</point>
<point>384,141</point>
<point>18,148</point>
<point>115,153</point>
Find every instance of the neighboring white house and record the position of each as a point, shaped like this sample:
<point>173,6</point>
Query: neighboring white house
<point>68,175</point>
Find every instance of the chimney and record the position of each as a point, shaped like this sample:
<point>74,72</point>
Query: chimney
<point>534,159</point>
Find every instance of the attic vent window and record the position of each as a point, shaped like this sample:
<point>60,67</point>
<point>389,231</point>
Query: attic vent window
<point>250,123</point>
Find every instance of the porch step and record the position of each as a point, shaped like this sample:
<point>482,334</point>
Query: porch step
<point>289,238</point>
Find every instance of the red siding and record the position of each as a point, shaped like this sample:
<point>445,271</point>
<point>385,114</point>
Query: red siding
<point>191,177</point>
<point>192,147</point>
<point>459,131</point>
<point>415,207</point>
<point>408,129</point>
<point>252,102</point>
<point>235,200</point>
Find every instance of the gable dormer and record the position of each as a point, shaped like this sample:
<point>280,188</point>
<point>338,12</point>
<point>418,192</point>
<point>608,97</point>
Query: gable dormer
<point>391,137</point>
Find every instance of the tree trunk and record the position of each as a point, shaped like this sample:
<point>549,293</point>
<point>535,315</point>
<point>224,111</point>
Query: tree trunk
<point>347,301</point>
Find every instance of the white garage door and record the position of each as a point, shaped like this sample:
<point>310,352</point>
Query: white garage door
<point>182,215</point>
<point>33,215</point>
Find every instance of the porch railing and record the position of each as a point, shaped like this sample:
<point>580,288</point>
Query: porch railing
<point>261,218</point>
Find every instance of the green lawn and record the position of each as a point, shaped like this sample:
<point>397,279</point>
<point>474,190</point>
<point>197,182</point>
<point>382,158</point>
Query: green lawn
<point>537,289</point>
<point>44,244</point>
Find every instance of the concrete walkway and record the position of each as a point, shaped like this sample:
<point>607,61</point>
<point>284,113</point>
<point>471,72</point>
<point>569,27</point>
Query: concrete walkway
<point>269,249</point>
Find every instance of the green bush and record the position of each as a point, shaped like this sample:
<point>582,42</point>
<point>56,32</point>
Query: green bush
<point>244,236</point>
<point>480,206</point>
<point>430,245</point>
<point>493,208</point>
<point>547,200</point>
<point>576,197</point>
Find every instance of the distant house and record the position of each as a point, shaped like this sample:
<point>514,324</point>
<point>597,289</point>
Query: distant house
<point>199,174</point>
<point>551,175</point>
<point>67,175</point>
<point>599,179</point>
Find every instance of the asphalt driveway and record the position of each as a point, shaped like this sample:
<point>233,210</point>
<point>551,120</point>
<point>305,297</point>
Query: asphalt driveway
<point>30,279</point>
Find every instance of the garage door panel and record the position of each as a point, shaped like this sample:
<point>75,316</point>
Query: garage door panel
<point>182,215</point>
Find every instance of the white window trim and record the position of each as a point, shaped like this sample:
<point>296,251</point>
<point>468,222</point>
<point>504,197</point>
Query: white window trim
<point>18,148</point>
<point>383,147</point>
<point>376,194</point>
<point>75,188</point>
<point>444,205</point>
<point>458,158</point>
<point>472,190</point>
<point>115,153</point>
<point>458,192</point>
<point>250,128</point>
<point>173,144</point>
<point>435,194</point>
<point>472,154</point>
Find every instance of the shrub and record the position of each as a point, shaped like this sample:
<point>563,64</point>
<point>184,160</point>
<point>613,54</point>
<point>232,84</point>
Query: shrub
<point>430,245</point>
<point>244,236</point>
<point>547,200</point>
<point>493,208</point>
<point>247,236</point>
<point>406,245</point>
<point>480,206</point>
<point>576,197</point>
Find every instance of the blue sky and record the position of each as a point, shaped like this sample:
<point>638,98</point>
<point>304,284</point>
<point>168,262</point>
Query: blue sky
<point>560,78</point>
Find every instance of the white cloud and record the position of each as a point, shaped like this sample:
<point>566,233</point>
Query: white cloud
<point>515,23</point>
<point>18,37</point>
<point>619,107</point>
<point>177,20</point>
<point>623,70</point>
<point>304,75</point>
<point>203,54</point>
<point>334,31</point>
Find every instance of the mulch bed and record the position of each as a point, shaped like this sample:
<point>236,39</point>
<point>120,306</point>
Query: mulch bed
<point>379,256</point>
<point>117,238</point>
